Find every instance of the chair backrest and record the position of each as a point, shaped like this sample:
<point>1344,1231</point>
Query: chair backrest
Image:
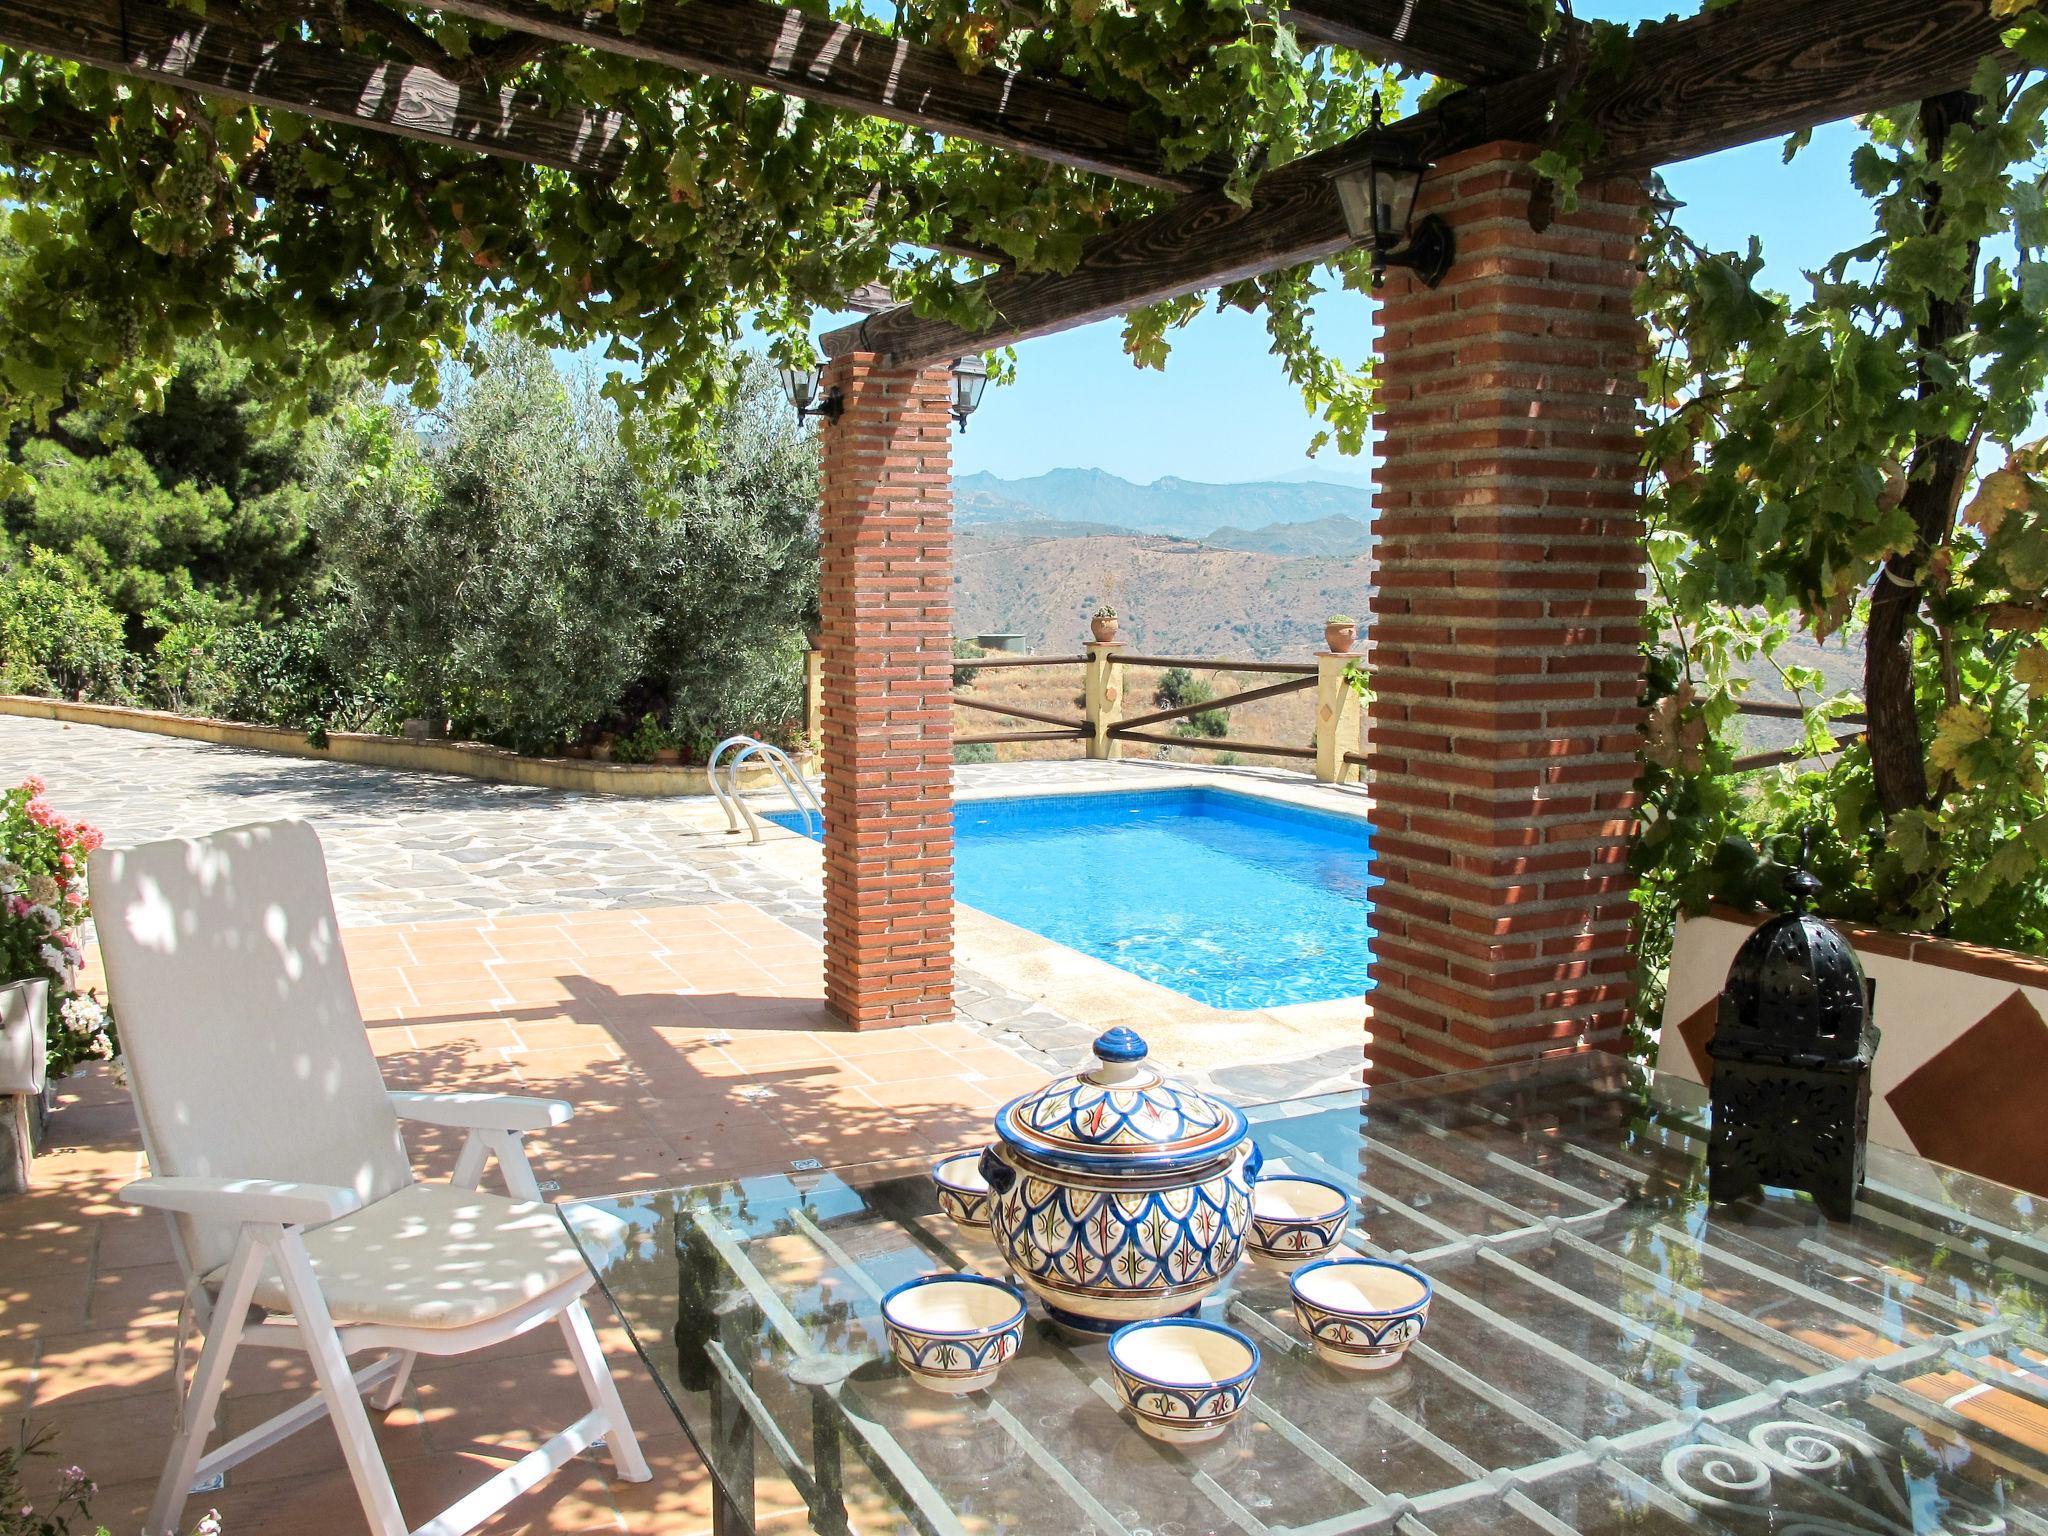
<point>246,1052</point>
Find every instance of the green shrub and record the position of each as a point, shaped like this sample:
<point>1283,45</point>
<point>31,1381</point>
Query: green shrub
<point>641,743</point>
<point>974,752</point>
<point>966,677</point>
<point>515,573</point>
<point>58,636</point>
<point>191,668</point>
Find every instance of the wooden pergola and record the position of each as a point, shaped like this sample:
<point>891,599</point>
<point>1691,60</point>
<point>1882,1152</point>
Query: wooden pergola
<point>1507,625</point>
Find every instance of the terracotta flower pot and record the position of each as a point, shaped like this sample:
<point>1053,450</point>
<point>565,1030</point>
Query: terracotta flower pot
<point>668,756</point>
<point>1340,637</point>
<point>1103,629</point>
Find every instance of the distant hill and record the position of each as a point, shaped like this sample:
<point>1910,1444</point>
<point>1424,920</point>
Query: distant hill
<point>1175,596</point>
<point>1185,508</point>
<point>1336,535</point>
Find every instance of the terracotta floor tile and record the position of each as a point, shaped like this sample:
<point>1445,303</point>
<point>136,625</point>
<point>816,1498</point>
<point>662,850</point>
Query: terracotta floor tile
<point>693,1041</point>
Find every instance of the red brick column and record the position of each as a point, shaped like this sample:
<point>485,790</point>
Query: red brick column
<point>1506,626</point>
<point>885,556</point>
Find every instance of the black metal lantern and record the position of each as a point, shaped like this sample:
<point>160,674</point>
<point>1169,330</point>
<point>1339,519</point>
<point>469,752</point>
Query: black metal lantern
<point>805,385</point>
<point>1379,208</point>
<point>1792,1049</point>
<point>970,378</point>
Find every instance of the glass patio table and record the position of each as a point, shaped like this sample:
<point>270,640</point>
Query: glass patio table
<point>1606,1351</point>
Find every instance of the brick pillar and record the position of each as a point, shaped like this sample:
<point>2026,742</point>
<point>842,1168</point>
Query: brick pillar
<point>885,559</point>
<point>1507,621</point>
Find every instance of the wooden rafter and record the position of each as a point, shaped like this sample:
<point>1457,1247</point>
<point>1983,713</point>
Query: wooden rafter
<point>224,57</point>
<point>1472,41</point>
<point>1749,71</point>
<point>828,61</point>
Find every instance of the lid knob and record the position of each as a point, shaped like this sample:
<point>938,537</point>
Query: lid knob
<point>1120,1044</point>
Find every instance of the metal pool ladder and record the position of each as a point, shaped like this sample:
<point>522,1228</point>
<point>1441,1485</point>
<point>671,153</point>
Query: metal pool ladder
<point>801,795</point>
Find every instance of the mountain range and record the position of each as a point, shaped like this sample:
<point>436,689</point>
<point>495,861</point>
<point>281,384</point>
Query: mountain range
<point>1188,509</point>
<point>1245,570</point>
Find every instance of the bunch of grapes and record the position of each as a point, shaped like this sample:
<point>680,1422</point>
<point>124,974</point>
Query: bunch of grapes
<point>288,181</point>
<point>187,187</point>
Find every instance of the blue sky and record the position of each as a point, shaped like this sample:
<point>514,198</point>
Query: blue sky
<point>1224,411</point>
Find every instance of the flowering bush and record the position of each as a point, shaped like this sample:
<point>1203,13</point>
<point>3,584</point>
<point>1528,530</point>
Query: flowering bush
<point>21,1516</point>
<point>42,905</point>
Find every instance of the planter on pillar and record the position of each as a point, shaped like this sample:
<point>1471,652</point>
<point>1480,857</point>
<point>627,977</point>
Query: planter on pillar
<point>1506,627</point>
<point>1102,698</point>
<point>885,693</point>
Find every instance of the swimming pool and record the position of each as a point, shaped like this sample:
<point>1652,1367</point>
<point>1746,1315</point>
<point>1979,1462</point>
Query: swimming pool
<point>1233,900</point>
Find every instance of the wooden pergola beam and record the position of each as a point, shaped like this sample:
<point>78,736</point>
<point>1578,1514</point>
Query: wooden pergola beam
<point>822,60</point>
<point>1472,41</point>
<point>222,56</point>
<point>1749,71</point>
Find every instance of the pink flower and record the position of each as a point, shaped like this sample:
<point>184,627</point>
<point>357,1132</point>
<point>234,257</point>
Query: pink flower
<point>66,863</point>
<point>75,898</point>
<point>89,838</point>
<point>18,906</point>
<point>41,814</point>
<point>33,785</point>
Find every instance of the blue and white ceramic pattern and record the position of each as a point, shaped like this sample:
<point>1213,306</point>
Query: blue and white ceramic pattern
<point>1120,1116</point>
<point>1297,1218</point>
<point>1119,1196</point>
<point>952,1333</point>
<point>963,1192</point>
<point>1361,1314</point>
<point>1183,1379</point>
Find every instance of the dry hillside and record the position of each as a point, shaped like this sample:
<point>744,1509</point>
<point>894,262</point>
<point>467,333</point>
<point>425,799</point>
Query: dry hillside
<point>1176,596</point>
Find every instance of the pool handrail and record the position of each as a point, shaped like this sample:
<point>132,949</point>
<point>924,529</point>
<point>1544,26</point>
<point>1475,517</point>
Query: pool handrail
<point>779,763</point>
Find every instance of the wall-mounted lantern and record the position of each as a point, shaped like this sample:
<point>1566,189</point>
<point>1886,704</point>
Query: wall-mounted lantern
<point>803,386</point>
<point>1379,207</point>
<point>970,378</point>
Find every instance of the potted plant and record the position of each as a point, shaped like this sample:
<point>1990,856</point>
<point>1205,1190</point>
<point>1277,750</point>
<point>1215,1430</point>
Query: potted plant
<point>1103,625</point>
<point>1340,633</point>
<point>49,1024</point>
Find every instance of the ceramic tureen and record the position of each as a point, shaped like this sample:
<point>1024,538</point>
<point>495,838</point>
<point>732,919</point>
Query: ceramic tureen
<point>1118,1194</point>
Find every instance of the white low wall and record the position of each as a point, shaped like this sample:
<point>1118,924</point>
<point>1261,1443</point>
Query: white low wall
<point>1962,1069</point>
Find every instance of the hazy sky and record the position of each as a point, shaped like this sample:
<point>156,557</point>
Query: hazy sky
<point>1223,410</point>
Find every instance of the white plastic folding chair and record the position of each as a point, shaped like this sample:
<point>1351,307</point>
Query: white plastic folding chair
<point>275,1150</point>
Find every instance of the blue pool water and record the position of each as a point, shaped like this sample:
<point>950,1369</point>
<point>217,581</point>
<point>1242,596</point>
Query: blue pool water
<point>1230,899</point>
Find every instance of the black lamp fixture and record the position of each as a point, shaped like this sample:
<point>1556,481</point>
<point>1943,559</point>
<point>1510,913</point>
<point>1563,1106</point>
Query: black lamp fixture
<point>1379,207</point>
<point>806,385</point>
<point>970,378</point>
<point>1792,1051</point>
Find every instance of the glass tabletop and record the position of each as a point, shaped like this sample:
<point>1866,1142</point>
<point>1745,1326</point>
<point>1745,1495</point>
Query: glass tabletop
<point>1606,1352</point>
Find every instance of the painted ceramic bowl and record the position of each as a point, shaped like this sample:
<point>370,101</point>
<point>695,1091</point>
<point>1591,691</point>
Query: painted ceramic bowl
<point>963,1192</point>
<point>1361,1314</point>
<point>951,1333</point>
<point>1184,1380</point>
<point>1295,1217</point>
<point>1119,1195</point>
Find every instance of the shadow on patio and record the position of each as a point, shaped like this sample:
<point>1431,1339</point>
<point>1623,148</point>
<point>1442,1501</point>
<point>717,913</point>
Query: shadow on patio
<point>694,1044</point>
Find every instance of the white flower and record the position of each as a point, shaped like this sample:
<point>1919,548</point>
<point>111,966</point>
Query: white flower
<point>57,958</point>
<point>84,1015</point>
<point>48,916</point>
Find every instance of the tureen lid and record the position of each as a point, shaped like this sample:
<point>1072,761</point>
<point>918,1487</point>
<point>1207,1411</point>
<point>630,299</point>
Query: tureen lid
<point>1120,1115</point>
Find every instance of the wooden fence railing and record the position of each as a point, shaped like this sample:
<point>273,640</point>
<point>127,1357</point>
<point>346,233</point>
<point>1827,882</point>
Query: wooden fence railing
<point>1334,747</point>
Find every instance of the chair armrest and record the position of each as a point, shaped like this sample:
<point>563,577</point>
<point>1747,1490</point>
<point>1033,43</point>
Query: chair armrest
<point>482,1111</point>
<point>245,1199</point>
